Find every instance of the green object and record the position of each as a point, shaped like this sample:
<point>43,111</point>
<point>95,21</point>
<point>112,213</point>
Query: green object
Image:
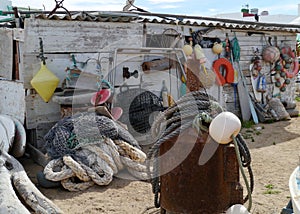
<point>236,50</point>
<point>182,89</point>
<point>287,81</point>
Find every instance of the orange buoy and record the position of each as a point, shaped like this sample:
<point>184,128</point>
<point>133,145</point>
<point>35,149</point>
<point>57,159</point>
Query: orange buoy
<point>229,76</point>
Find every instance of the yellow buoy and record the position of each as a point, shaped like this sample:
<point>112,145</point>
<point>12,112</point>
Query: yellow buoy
<point>45,83</point>
<point>217,48</point>
<point>188,50</point>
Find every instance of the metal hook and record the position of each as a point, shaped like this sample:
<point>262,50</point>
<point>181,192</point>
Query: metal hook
<point>59,4</point>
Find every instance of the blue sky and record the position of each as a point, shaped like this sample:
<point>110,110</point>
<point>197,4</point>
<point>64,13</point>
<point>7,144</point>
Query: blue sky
<point>184,7</point>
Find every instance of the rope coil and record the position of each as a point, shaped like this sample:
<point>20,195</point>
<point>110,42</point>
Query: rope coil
<point>103,148</point>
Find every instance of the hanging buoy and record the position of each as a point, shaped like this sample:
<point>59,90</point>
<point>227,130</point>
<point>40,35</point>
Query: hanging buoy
<point>217,48</point>
<point>100,97</point>
<point>199,54</point>
<point>295,70</point>
<point>229,76</point>
<point>45,82</point>
<point>271,54</point>
<point>188,50</point>
<point>223,126</point>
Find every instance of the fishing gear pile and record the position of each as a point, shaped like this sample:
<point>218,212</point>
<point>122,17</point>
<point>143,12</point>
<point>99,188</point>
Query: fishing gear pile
<point>88,149</point>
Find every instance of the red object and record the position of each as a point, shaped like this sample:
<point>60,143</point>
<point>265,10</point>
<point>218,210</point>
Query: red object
<point>295,71</point>
<point>100,97</point>
<point>116,112</point>
<point>248,14</point>
<point>229,76</point>
<point>290,53</point>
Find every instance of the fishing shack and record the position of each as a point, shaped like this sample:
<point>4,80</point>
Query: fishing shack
<point>148,51</point>
<point>125,73</point>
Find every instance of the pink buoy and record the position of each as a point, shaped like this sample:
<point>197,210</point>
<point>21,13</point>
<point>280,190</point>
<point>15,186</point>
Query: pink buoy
<point>100,97</point>
<point>116,112</point>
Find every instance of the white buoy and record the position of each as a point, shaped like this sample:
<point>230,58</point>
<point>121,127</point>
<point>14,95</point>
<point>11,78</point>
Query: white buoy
<point>237,209</point>
<point>223,126</point>
<point>199,54</point>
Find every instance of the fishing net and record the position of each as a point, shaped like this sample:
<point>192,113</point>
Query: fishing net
<point>75,131</point>
<point>139,107</point>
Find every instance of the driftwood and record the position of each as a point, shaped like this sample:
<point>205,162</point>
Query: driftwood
<point>13,175</point>
<point>9,202</point>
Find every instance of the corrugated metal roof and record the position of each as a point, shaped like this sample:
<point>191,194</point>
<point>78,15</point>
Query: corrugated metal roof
<point>172,19</point>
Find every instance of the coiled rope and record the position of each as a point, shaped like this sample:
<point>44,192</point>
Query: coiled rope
<point>175,120</point>
<point>96,163</point>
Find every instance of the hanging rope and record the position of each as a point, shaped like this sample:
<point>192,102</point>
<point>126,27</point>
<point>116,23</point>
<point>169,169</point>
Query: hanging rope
<point>249,189</point>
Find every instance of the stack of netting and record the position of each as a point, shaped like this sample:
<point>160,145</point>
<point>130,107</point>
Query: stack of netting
<point>88,148</point>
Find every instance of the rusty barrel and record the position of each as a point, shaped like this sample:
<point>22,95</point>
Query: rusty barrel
<point>193,188</point>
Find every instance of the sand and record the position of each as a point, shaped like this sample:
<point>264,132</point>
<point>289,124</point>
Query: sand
<point>274,149</point>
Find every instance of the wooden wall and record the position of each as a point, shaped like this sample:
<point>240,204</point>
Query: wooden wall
<point>6,54</point>
<point>60,39</point>
<point>97,40</point>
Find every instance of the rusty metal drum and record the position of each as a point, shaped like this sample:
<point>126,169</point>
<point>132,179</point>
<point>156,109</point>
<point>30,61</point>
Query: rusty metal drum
<point>192,188</point>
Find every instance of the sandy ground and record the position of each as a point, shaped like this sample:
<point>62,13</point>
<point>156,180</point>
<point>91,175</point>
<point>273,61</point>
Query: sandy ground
<point>274,148</point>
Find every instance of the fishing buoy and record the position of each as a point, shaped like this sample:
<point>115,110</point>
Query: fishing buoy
<point>199,54</point>
<point>100,97</point>
<point>116,112</point>
<point>223,126</point>
<point>271,54</point>
<point>237,209</point>
<point>188,50</point>
<point>45,82</point>
<point>217,48</point>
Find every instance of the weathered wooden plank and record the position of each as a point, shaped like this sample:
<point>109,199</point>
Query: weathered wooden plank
<point>12,96</point>
<point>37,111</point>
<point>37,156</point>
<point>80,36</point>
<point>18,34</point>
<point>6,57</point>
